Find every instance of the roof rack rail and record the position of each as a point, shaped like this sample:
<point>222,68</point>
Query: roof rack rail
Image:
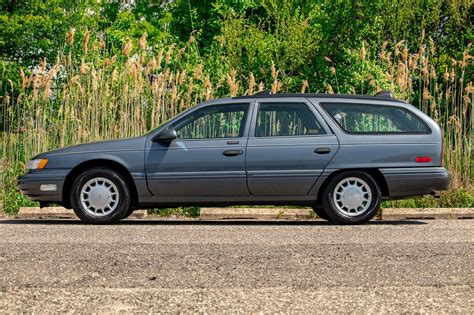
<point>264,92</point>
<point>384,94</point>
<point>381,96</point>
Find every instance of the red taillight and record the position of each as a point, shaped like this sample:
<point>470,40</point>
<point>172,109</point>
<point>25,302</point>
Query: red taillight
<point>423,159</point>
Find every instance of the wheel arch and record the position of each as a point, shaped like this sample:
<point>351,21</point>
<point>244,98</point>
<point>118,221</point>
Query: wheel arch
<point>373,172</point>
<point>111,164</point>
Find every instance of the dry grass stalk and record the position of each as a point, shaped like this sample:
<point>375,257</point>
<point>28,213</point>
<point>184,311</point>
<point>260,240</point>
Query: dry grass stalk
<point>70,36</point>
<point>232,82</point>
<point>127,47</point>
<point>142,41</point>
<point>251,85</point>
<point>85,41</point>
<point>304,86</point>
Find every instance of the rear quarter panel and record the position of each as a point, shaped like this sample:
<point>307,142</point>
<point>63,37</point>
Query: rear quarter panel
<point>383,150</point>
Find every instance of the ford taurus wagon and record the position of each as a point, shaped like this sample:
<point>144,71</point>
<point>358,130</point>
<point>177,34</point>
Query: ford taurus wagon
<point>340,154</point>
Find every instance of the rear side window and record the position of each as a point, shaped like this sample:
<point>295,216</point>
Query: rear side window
<point>286,119</point>
<point>362,118</point>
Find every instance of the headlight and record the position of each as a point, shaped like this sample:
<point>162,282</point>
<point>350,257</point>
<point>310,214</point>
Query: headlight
<point>36,164</point>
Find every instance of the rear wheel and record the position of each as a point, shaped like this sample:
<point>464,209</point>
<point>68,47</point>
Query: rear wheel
<point>351,198</point>
<point>100,196</point>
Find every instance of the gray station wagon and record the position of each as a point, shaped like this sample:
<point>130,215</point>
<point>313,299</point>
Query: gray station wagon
<point>340,154</point>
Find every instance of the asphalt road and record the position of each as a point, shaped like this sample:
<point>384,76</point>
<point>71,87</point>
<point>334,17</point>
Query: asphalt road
<point>237,266</point>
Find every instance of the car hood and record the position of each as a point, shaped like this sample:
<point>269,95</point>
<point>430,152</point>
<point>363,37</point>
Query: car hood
<point>136,143</point>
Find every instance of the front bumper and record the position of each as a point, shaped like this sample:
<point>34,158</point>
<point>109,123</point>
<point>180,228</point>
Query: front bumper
<point>416,181</point>
<point>31,183</point>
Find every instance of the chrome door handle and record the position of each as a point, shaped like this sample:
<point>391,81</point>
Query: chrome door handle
<point>232,152</point>
<point>323,150</point>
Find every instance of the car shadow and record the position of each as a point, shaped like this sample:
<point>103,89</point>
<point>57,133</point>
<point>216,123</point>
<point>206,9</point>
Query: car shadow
<point>234,222</point>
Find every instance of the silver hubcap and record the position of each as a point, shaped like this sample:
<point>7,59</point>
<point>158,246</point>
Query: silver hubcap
<point>99,196</point>
<point>352,196</point>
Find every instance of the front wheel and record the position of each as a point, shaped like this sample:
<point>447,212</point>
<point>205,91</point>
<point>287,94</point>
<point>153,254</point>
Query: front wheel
<point>351,198</point>
<point>129,213</point>
<point>100,196</point>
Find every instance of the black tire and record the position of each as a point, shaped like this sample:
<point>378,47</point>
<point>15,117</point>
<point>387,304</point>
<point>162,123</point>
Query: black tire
<point>321,213</point>
<point>129,213</point>
<point>338,216</point>
<point>124,201</point>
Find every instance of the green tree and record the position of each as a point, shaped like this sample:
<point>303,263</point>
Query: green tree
<point>34,29</point>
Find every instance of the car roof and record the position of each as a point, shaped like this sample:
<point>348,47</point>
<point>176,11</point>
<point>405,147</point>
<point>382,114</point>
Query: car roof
<point>384,96</point>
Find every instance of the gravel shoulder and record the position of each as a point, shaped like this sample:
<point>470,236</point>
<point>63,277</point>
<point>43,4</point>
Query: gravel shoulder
<point>242,266</point>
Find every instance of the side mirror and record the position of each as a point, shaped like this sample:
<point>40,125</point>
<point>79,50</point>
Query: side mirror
<point>166,135</point>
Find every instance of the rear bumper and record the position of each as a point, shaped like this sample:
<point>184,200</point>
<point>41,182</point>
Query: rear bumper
<point>407,182</point>
<point>31,183</point>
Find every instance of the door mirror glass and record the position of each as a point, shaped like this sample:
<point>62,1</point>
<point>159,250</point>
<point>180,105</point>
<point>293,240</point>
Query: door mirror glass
<point>166,135</point>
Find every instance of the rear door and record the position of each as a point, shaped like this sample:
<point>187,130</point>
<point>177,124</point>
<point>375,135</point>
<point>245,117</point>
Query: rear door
<point>288,148</point>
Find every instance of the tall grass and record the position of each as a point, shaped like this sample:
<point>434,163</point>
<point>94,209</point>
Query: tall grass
<point>446,97</point>
<point>92,96</point>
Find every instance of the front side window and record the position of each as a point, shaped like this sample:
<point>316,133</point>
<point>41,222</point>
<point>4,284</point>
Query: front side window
<point>219,121</point>
<point>286,119</point>
<point>363,118</point>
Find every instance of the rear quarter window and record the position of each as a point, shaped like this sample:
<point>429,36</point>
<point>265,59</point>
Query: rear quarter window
<point>364,118</point>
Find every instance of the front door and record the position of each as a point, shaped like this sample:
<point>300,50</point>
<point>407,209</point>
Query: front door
<point>288,149</point>
<point>208,157</point>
